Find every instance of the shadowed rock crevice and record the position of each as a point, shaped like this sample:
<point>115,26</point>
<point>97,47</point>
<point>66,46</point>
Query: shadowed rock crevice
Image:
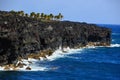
<point>7,51</point>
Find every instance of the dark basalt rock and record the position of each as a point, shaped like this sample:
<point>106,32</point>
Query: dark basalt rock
<point>20,36</point>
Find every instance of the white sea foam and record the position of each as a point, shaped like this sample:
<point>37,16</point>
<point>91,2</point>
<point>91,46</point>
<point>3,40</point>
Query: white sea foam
<point>28,63</point>
<point>34,67</point>
<point>114,45</point>
<point>62,53</point>
<point>32,63</point>
<point>59,53</point>
<point>1,68</point>
<point>55,55</point>
<point>90,46</point>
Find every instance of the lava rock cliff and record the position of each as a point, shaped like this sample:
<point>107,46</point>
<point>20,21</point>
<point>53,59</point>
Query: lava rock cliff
<point>20,36</point>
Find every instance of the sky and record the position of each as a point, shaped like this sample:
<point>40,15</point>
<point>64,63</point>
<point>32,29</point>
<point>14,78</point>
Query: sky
<point>90,11</point>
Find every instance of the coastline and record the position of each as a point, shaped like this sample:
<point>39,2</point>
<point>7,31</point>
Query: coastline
<point>25,37</point>
<point>29,64</point>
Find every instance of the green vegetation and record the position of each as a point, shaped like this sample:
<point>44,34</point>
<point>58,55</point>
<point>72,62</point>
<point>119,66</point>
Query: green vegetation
<point>39,16</point>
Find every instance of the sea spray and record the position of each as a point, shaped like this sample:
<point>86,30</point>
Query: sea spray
<point>114,45</point>
<point>60,53</point>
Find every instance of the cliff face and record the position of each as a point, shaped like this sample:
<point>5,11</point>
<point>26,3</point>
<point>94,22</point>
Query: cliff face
<point>20,36</point>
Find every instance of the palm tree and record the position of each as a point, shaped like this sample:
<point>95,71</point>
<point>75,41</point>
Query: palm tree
<point>18,13</point>
<point>60,16</point>
<point>56,17</point>
<point>21,13</point>
<point>42,15</point>
<point>35,16</point>
<point>26,15</point>
<point>38,15</point>
<point>48,17</point>
<point>32,14</point>
<point>45,17</point>
<point>51,16</point>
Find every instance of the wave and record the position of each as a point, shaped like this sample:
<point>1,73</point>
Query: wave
<point>62,53</point>
<point>115,33</point>
<point>32,63</point>
<point>114,45</point>
<point>71,57</point>
<point>59,53</point>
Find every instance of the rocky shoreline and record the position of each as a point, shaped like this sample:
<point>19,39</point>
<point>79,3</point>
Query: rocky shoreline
<point>24,37</point>
<point>24,64</point>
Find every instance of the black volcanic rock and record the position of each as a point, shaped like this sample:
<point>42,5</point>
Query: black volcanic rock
<point>20,36</point>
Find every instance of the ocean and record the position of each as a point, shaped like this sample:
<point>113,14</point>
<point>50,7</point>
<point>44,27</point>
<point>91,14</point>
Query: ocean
<point>92,63</point>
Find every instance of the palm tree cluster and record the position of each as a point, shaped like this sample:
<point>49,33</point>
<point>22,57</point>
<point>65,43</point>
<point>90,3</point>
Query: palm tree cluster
<point>38,16</point>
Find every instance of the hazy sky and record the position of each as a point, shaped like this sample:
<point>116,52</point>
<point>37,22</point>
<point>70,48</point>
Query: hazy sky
<point>91,11</point>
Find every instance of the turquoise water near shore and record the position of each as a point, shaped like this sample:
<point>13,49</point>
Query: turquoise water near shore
<point>93,63</point>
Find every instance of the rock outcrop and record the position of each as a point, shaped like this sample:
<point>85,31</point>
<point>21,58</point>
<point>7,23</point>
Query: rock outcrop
<point>20,36</point>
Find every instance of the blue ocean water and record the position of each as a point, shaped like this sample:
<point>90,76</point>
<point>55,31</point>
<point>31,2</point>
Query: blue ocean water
<point>99,63</point>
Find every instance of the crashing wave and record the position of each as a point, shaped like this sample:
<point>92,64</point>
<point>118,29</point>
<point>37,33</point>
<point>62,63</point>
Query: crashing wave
<point>62,53</point>
<point>32,63</point>
<point>115,33</point>
<point>59,53</point>
<point>114,45</point>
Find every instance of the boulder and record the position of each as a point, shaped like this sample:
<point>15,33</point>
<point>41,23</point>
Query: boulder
<point>28,68</point>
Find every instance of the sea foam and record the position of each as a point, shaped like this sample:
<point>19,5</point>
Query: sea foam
<point>32,63</point>
<point>59,53</point>
<point>114,45</point>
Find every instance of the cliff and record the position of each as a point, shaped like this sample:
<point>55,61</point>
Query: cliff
<point>20,36</point>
